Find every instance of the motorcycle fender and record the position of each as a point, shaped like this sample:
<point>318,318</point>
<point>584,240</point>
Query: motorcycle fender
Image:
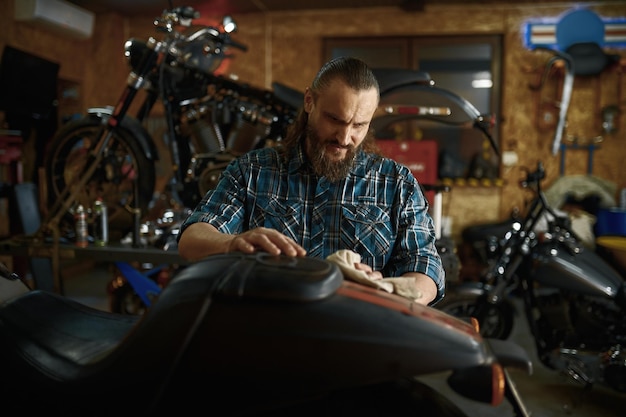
<point>584,272</point>
<point>475,289</point>
<point>134,127</point>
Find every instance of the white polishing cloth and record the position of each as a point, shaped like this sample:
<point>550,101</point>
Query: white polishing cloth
<point>403,286</point>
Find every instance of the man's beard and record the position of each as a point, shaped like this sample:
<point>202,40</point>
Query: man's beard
<point>322,166</point>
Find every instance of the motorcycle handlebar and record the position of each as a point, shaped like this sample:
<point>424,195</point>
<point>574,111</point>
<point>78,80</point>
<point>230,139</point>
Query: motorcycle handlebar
<point>535,176</point>
<point>201,47</point>
<point>240,46</point>
<point>186,12</point>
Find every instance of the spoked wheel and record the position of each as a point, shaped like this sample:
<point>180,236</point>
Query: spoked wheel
<point>124,177</point>
<point>496,320</point>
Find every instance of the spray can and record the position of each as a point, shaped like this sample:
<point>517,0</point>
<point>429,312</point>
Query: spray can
<point>82,236</point>
<point>100,223</point>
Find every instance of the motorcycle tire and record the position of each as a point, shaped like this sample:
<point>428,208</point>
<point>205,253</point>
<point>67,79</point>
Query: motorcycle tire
<point>123,167</point>
<point>495,320</point>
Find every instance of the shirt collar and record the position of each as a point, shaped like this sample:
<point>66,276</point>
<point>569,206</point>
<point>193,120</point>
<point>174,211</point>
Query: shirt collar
<point>297,159</point>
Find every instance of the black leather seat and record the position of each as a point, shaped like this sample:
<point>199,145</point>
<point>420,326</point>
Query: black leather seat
<point>60,348</point>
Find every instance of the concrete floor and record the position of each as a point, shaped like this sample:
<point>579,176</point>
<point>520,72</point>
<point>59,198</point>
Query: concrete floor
<point>546,393</point>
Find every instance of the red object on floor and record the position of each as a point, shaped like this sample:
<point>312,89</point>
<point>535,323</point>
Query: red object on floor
<point>420,157</point>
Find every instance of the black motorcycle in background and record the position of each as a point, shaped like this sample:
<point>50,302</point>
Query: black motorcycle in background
<point>574,301</point>
<point>210,119</point>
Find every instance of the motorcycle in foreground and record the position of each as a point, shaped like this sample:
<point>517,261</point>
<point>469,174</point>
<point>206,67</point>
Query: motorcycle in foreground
<point>574,301</point>
<point>246,335</point>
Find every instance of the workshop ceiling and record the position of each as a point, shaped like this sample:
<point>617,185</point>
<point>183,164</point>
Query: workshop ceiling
<point>140,7</point>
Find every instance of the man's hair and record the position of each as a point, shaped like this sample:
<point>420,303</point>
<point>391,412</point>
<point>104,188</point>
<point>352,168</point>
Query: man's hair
<point>356,74</point>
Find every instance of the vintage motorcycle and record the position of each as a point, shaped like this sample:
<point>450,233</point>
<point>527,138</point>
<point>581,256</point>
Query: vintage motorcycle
<point>110,153</point>
<point>246,335</point>
<point>574,301</point>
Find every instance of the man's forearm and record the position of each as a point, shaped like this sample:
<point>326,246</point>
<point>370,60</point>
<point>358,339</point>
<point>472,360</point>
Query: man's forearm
<point>425,284</point>
<point>200,240</point>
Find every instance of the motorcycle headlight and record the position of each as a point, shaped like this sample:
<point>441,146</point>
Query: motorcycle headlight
<point>134,51</point>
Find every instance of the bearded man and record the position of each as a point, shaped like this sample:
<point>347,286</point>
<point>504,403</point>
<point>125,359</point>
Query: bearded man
<point>324,189</point>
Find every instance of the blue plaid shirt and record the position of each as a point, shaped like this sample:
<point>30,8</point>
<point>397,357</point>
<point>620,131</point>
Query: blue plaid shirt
<point>378,211</point>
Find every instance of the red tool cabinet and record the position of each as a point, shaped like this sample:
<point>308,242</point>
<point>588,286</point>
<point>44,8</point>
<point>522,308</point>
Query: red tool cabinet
<point>420,157</point>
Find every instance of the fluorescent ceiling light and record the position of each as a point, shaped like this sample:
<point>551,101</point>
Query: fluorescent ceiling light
<point>482,83</point>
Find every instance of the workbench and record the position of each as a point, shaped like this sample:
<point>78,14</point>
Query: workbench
<point>48,276</point>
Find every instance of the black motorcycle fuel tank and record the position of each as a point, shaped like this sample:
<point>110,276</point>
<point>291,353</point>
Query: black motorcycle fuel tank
<point>583,272</point>
<point>335,334</point>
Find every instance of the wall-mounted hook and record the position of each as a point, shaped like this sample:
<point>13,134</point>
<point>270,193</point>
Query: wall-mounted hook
<point>610,115</point>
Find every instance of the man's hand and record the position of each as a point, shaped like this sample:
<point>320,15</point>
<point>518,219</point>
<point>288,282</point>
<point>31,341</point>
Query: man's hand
<point>201,239</point>
<point>265,240</point>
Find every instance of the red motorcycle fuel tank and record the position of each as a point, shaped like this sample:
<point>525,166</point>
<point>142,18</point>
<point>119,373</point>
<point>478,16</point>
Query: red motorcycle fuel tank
<point>584,272</point>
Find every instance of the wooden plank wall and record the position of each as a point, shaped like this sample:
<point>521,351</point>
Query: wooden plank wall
<point>287,47</point>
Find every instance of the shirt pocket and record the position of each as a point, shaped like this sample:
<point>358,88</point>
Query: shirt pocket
<point>275,214</point>
<point>367,228</point>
